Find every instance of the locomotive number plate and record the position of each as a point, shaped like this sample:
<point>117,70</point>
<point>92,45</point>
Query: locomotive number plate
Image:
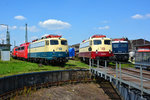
<point>103,53</point>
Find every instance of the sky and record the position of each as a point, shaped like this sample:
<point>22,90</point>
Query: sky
<point>75,20</point>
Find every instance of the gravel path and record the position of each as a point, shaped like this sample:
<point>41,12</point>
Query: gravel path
<point>87,91</point>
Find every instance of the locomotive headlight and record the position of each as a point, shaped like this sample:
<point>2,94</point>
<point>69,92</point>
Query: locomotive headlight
<point>109,51</point>
<point>96,51</point>
<point>53,51</point>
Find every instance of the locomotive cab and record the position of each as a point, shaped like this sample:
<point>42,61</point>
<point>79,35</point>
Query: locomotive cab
<point>96,47</point>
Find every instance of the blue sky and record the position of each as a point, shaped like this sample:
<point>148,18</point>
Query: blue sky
<point>75,20</point>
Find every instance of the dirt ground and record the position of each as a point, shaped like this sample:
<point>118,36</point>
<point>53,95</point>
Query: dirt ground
<point>81,91</point>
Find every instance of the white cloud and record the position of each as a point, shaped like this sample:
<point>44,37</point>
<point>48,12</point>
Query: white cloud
<point>104,28</point>
<point>2,27</point>
<point>139,16</point>
<point>53,24</point>
<point>33,29</point>
<point>13,27</point>
<point>19,17</point>
<point>30,28</point>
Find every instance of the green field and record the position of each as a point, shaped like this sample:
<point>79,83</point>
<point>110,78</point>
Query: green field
<point>17,67</point>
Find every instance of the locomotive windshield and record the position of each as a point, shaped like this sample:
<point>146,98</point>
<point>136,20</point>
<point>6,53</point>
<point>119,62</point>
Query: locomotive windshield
<point>97,42</point>
<point>54,42</point>
<point>117,45</point>
<point>63,42</point>
<point>107,42</point>
<point>123,45</point>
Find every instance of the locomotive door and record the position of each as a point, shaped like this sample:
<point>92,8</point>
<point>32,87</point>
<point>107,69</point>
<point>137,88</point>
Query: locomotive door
<point>46,47</point>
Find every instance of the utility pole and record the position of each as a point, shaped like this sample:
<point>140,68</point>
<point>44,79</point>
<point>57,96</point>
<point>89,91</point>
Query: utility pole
<point>7,36</point>
<point>14,43</point>
<point>26,34</point>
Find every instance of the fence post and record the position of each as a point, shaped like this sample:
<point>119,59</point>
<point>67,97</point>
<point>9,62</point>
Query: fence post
<point>120,72</point>
<point>97,63</point>
<point>105,69</point>
<point>116,73</point>
<point>141,77</point>
<point>90,63</point>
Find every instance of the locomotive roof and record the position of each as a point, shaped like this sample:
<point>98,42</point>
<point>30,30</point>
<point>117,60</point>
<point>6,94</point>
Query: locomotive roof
<point>119,41</point>
<point>95,39</point>
<point>48,39</point>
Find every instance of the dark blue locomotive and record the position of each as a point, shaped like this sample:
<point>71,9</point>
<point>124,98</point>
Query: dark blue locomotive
<point>120,49</point>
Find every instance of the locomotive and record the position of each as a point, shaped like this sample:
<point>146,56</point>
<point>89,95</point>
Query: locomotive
<point>120,49</point>
<point>96,47</point>
<point>48,49</point>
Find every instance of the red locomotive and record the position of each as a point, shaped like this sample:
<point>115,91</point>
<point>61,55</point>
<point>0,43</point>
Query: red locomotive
<point>21,52</point>
<point>14,52</point>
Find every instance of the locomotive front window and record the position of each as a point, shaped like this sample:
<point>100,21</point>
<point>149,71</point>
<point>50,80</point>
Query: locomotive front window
<point>107,42</point>
<point>123,45</point>
<point>97,42</point>
<point>63,42</point>
<point>115,45</point>
<point>54,42</point>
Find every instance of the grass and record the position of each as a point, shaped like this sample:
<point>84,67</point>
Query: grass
<point>14,66</point>
<point>123,65</point>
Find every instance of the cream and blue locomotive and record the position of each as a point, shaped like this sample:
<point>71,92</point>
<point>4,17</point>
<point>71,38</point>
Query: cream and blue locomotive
<point>48,49</point>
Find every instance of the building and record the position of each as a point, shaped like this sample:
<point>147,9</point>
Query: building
<point>134,43</point>
<point>4,47</point>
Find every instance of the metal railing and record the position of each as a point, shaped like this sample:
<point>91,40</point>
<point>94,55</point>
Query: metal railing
<point>102,71</point>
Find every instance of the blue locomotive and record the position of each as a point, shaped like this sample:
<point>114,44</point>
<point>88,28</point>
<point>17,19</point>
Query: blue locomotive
<point>120,49</point>
<point>71,53</point>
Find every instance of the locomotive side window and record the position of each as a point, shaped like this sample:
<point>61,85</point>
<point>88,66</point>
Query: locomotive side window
<point>63,42</point>
<point>97,42</point>
<point>83,45</point>
<point>107,42</point>
<point>54,42</point>
<point>38,44</point>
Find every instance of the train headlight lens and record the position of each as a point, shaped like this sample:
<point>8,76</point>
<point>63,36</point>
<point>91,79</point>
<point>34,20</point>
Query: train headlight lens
<point>109,51</point>
<point>96,52</point>
<point>53,51</point>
